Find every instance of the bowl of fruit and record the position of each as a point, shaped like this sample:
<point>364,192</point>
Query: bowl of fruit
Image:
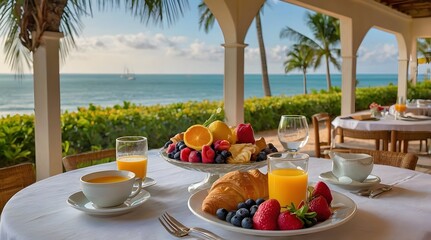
<point>216,149</point>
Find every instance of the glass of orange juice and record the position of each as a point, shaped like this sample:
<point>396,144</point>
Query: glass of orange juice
<point>400,106</point>
<point>288,177</point>
<point>132,154</point>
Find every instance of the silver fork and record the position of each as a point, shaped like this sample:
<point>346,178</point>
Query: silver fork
<point>177,229</point>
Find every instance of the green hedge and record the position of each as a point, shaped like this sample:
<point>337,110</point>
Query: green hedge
<point>95,127</point>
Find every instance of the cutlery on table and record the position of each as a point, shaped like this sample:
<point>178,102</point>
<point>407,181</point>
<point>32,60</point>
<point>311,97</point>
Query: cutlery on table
<point>177,229</point>
<point>372,193</point>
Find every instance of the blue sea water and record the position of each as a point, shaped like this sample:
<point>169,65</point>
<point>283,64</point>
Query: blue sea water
<point>16,96</point>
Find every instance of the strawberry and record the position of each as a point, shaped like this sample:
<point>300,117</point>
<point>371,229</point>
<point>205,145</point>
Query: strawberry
<point>195,156</point>
<point>184,154</point>
<point>208,154</point>
<point>321,189</point>
<point>170,148</point>
<point>245,133</point>
<point>221,145</point>
<point>289,221</point>
<point>321,207</point>
<point>266,215</point>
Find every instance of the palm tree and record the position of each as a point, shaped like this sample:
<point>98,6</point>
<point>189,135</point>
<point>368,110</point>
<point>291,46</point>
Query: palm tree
<point>207,20</point>
<point>424,49</point>
<point>300,58</point>
<point>326,32</point>
<point>24,22</point>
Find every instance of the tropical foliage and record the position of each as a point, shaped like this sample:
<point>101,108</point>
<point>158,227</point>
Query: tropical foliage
<point>24,22</point>
<point>424,49</point>
<point>300,57</point>
<point>95,127</point>
<point>325,41</point>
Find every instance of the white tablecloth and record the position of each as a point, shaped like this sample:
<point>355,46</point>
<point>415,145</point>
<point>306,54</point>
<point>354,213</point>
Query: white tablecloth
<point>40,211</point>
<point>388,123</point>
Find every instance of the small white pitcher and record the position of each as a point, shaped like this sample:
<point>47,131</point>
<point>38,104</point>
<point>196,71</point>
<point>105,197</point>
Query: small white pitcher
<point>356,166</point>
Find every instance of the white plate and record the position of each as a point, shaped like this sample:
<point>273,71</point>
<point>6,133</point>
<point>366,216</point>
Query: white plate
<point>80,202</point>
<point>369,182</point>
<point>346,209</point>
<point>148,182</point>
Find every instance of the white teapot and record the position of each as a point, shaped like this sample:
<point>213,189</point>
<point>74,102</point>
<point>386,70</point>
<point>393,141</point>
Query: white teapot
<point>356,166</point>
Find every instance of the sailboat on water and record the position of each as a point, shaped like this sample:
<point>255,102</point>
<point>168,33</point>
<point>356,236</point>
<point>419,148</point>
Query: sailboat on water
<point>128,75</point>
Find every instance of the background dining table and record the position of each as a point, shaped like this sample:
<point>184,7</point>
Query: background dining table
<point>384,123</point>
<point>40,211</point>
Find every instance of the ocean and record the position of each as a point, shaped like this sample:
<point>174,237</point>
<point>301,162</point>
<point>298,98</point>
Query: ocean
<point>79,90</point>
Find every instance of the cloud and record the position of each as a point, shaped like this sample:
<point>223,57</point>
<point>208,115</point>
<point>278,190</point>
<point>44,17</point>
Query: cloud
<point>378,54</point>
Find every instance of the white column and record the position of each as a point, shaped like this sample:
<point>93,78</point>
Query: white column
<point>414,62</point>
<point>403,65</point>
<point>234,83</point>
<point>348,84</point>
<point>47,106</point>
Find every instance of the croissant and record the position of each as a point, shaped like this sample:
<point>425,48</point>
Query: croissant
<point>233,188</point>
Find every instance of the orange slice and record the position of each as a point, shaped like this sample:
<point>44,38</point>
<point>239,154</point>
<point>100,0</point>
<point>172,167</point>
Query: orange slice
<point>197,136</point>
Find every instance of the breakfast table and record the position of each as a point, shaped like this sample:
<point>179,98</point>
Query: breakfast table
<point>41,211</point>
<point>387,123</point>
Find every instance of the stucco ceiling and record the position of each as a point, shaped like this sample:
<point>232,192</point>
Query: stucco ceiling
<point>413,8</point>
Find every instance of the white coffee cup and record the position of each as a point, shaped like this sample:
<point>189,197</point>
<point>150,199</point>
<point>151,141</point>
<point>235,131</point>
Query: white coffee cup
<point>356,166</point>
<point>110,188</point>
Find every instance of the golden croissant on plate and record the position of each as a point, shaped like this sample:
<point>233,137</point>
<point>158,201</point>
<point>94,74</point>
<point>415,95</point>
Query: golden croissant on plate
<point>233,188</point>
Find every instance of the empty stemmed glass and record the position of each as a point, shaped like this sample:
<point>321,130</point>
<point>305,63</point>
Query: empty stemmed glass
<point>293,132</point>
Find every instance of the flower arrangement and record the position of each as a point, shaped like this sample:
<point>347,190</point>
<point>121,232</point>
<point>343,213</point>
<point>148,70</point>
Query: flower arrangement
<point>376,109</point>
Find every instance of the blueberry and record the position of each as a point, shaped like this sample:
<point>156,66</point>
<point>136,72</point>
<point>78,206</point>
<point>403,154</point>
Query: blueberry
<point>253,210</point>
<point>220,159</point>
<point>177,155</point>
<point>267,150</point>
<point>261,156</point>
<point>243,212</point>
<point>229,216</point>
<point>274,149</point>
<point>226,154</point>
<point>311,222</point>
<point>236,220</point>
<point>171,155</point>
<point>247,223</point>
<point>270,145</point>
<point>167,144</point>
<point>221,213</point>
<point>250,202</point>
<point>259,201</point>
<point>242,205</point>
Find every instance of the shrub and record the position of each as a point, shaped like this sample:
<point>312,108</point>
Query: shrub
<point>95,127</point>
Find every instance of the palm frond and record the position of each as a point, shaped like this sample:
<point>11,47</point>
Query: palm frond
<point>206,18</point>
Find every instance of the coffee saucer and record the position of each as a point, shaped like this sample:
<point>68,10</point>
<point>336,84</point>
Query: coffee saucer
<point>80,202</point>
<point>329,177</point>
<point>148,182</point>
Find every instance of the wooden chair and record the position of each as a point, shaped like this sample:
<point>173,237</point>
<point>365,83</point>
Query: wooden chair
<point>86,159</point>
<point>13,179</point>
<point>319,145</point>
<point>400,139</point>
<point>396,159</point>
<point>381,138</point>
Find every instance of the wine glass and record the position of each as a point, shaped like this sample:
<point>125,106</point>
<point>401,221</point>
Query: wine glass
<point>293,132</point>
<point>400,106</point>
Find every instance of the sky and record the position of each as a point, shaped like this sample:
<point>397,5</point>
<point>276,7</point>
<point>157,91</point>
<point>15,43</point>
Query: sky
<point>113,40</point>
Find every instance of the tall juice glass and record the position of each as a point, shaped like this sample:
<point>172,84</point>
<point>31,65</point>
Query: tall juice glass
<point>288,177</point>
<point>132,154</point>
<point>400,106</point>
